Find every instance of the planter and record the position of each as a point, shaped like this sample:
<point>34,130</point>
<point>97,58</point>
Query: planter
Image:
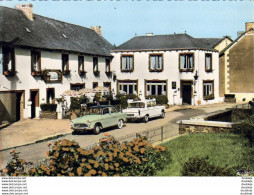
<point>48,115</point>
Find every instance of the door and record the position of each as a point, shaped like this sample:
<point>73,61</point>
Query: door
<point>186,93</point>
<point>18,107</point>
<point>35,102</point>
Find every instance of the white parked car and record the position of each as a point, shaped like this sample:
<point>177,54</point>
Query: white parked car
<point>143,110</point>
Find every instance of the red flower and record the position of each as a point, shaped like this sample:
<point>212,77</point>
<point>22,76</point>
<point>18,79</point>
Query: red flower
<point>12,151</point>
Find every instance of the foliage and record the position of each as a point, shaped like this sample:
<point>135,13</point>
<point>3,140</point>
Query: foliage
<point>160,99</point>
<point>109,158</point>
<point>245,127</point>
<point>122,99</point>
<point>16,167</point>
<point>224,149</point>
<point>77,101</point>
<point>201,167</point>
<point>48,107</point>
<point>97,97</point>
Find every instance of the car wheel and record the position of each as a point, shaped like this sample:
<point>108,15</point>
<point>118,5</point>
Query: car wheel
<point>120,124</point>
<point>146,118</point>
<point>97,129</point>
<point>162,114</point>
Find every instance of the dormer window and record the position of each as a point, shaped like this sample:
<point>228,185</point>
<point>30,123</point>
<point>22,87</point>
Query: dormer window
<point>8,61</point>
<point>35,62</point>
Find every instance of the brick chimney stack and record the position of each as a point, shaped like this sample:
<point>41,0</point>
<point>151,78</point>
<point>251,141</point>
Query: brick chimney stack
<point>249,26</point>
<point>97,29</point>
<point>27,9</point>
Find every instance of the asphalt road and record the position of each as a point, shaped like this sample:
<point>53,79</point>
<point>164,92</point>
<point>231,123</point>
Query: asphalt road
<point>37,151</point>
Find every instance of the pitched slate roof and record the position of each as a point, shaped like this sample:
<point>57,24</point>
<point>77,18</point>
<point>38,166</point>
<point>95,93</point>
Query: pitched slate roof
<point>212,42</point>
<point>47,33</point>
<point>163,42</point>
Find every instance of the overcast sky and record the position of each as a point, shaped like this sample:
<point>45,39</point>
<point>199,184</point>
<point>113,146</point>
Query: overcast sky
<point>122,20</point>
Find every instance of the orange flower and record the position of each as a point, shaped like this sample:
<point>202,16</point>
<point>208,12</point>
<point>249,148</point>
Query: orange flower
<point>103,140</point>
<point>96,164</point>
<point>106,134</point>
<point>138,161</point>
<point>104,174</point>
<point>116,175</point>
<point>79,171</point>
<point>49,144</point>
<point>32,170</point>
<point>92,172</point>
<point>76,156</point>
<point>89,167</point>
<point>142,150</point>
<point>6,170</point>
<point>88,174</point>
<point>12,151</point>
<point>136,148</point>
<point>111,167</point>
<point>65,149</point>
<point>71,174</point>
<point>82,164</point>
<point>116,164</point>
<point>106,166</point>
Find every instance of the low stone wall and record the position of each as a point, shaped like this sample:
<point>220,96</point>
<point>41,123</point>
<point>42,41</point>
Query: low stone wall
<point>188,126</point>
<point>48,115</point>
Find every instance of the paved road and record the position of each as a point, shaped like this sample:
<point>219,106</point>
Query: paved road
<point>37,151</point>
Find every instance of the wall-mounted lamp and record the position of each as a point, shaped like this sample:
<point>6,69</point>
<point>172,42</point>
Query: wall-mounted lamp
<point>196,75</point>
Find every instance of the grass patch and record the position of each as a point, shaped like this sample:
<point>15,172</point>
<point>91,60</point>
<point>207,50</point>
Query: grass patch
<point>223,149</point>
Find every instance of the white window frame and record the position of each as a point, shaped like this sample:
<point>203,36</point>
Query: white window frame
<point>158,62</point>
<point>149,85</point>
<point>134,84</point>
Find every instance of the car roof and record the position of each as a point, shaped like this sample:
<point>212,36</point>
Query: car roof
<point>102,106</point>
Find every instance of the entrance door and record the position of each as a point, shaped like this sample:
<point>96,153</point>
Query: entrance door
<point>35,102</point>
<point>186,92</point>
<point>18,107</point>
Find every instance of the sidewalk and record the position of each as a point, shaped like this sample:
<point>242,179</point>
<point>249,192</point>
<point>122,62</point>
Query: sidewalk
<point>30,131</point>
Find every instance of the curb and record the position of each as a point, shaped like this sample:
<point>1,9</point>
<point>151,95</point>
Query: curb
<point>38,141</point>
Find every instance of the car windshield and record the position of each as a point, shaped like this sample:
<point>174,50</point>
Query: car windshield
<point>94,111</point>
<point>137,105</point>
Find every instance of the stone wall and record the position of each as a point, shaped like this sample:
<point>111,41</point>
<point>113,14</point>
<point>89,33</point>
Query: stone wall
<point>48,115</point>
<point>191,128</point>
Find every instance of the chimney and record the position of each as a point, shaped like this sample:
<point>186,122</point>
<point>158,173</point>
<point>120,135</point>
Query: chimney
<point>239,33</point>
<point>249,26</point>
<point>27,9</point>
<point>149,34</point>
<point>97,29</point>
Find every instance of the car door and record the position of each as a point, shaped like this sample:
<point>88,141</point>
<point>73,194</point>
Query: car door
<point>106,117</point>
<point>150,109</point>
<point>115,116</point>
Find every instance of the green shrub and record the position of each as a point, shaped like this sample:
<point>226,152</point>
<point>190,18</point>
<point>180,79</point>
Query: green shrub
<point>201,167</point>
<point>160,99</point>
<point>122,99</point>
<point>76,102</point>
<point>246,128</point>
<point>48,107</point>
<point>109,158</point>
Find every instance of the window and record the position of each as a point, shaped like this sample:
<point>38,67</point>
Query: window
<point>35,61</point>
<point>95,64</point>
<point>105,111</point>
<point>113,110</point>
<point>187,62</point>
<point>156,88</point>
<point>95,84</point>
<point>156,62</point>
<point>65,64</point>
<point>107,68</point>
<point>50,95</point>
<point>81,68</point>
<point>127,63</point>
<point>208,90</point>
<point>8,61</point>
<point>128,87</point>
<point>77,86</point>
<point>208,62</point>
<point>108,85</point>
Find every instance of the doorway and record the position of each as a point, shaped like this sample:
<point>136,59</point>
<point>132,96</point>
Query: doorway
<point>19,107</point>
<point>186,92</point>
<point>34,96</point>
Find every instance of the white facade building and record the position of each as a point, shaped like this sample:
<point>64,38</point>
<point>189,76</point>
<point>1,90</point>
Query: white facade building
<point>178,66</point>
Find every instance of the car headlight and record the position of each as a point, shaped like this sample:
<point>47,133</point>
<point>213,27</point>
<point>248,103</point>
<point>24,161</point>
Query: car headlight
<point>89,123</point>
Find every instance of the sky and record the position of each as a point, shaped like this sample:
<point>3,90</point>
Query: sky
<point>123,19</point>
